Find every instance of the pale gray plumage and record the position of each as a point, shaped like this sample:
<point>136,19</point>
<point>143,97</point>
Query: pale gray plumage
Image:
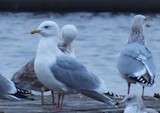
<point>61,72</point>
<point>78,79</point>
<point>7,88</point>
<point>135,61</point>
<point>131,63</point>
<point>134,104</point>
<point>71,73</point>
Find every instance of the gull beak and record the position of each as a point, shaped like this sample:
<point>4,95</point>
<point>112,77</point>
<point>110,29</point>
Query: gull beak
<point>34,31</point>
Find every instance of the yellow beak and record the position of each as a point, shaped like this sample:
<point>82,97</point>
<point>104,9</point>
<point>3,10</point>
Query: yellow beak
<point>35,31</point>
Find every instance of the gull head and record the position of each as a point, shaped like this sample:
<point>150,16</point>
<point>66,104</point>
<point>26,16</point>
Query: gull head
<point>69,33</point>
<point>131,99</point>
<point>47,29</point>
<point>139,22</point>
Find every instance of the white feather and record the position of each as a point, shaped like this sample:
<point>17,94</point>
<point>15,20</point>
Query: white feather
<point>140,72</point>
<point>148,69</point>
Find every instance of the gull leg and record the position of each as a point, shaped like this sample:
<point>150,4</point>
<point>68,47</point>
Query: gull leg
<point>142,91</point>
<point>42,96</point>
<point>59,98</point>
<point>129,85</point>
<point>42,99</point>
<point>61,101</point>
<point>53,99</point>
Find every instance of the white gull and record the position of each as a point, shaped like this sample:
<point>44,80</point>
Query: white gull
<point>61,72</point>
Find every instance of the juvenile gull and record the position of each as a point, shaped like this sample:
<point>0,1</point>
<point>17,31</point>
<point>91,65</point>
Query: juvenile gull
<point>135,62</point>
<point>25,78</point>
<point>7,89</point>
<point>134,104</point>
<point>61,72</point>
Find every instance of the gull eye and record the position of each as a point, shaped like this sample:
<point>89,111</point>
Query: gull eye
<point>46,27</point>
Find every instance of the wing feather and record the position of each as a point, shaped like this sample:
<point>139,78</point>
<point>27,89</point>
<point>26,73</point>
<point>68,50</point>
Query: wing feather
<point>74,75</point>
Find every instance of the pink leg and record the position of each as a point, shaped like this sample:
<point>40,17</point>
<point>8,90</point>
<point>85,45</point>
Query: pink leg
<point>61,101</point>
<point>42,96</point>
<point>59,98</point>
<point>53,99</point>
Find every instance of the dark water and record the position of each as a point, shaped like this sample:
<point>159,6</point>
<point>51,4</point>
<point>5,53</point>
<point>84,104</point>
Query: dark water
<point>101,36</point>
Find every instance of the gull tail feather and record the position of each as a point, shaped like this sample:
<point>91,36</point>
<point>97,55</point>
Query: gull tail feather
<point>21,93</point>
<point>143,81</point>
<point>9,97</point>
<point>97,96</point>
<point>111,94</point>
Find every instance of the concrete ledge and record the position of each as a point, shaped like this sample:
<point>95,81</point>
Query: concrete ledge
<point>81,5</point>
<point>72,104</point>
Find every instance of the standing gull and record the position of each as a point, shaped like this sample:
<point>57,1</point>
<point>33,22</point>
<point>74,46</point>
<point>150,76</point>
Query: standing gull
<point>25,78</point>
<point>134,104</point>
<point>7,89</point>
<point>61,72</point>
<point>135,62</point>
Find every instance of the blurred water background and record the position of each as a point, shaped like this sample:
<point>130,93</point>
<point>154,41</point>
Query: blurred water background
<point>100,38</point>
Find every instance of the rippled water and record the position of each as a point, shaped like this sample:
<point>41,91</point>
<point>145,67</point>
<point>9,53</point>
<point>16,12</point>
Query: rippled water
<point>101,37</point>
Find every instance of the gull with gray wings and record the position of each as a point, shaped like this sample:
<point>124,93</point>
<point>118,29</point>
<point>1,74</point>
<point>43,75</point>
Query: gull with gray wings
<point>135,61</point>
<point>61,72</point>
<point>25,79</point>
